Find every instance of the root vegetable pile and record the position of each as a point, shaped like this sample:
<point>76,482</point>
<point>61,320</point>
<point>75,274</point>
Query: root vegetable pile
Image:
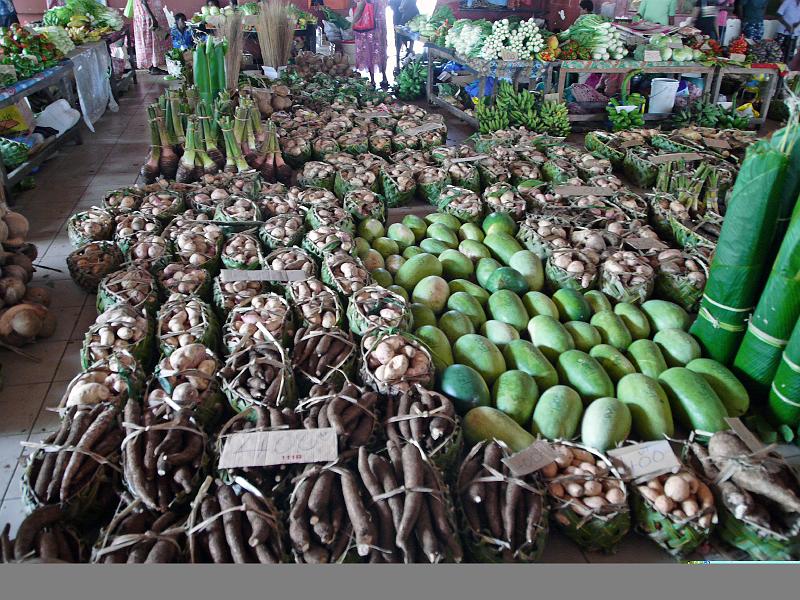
<point>349,409</point>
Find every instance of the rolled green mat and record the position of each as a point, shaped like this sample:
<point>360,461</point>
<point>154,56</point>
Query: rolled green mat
<point>743,253</point>
<point>774,318</point>
<point>784,395</point>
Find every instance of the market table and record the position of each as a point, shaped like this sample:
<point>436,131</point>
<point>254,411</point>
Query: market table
<point>623,67</point>
<point>63,76</point>
<point>772,72</point>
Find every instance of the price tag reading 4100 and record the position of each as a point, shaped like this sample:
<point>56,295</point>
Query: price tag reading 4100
<point>645,460</point>
<point>264,448</point>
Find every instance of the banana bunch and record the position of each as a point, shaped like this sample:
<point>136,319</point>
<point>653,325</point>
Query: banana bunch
<point>490,118</point>
<point>554,118</point>
<point>520,106</point>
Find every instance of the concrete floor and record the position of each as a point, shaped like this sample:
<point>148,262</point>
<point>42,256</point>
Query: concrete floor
<point>75,180</point>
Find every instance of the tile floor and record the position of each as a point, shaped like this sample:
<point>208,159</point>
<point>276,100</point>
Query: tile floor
<point>75,180</point>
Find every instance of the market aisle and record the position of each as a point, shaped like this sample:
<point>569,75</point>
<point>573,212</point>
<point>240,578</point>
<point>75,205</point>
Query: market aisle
<point>73,180</point>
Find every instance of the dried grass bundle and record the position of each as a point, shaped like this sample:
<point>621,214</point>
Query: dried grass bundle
<point>233,32</point>
<point>275,27</point>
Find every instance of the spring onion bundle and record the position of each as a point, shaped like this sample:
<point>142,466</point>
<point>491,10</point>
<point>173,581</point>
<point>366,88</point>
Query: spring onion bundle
<point>467,37</point>
<point>597,34</point>
<point>522,38</point>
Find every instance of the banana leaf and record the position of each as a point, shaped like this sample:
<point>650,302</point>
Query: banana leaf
<point>786,140</point>
<point>784,395</point>
<point>742,254</point>
<point>776,314</point>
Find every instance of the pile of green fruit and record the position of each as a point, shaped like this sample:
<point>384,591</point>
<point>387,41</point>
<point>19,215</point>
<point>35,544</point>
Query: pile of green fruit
<point>556,363</point>
<point>521,108</point>
<point>411,81</point>
<point>707,114</point>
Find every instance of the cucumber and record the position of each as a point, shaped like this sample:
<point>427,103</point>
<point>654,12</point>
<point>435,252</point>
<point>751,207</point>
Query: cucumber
<point>464,303</point>
<point>646,356</point>
<point>481,354</point>
<point>476,291</point>
<point>515,393</point>
<point>506,278</point>
<point>572,306</point>
<point>465,387</point>
<point>598,301</point>
<point>549,336</point>
<point>583,334</point>
<point>474,250</point>
<point>437,342</point>
<point>505,306</point>
<point>484,270</point>
<point>524,356</point>
<point>666,315</point>
<point>606,422</point>
<point>612,329</point>
<point>583,373</point>
<point>635,320</point>
<point>530,266</point>
<point>678,347</point>
<point>455,324</point>
<point>537,303</point>
<point>487,423</point>
<point>694,402</point>
<point>649,406</point>
<point>613,361</point>
<point>422,315</point>
<point>502,246</point>
<point>557,413</point>
<point>499,333</point>
<point>417,268</point>
<point>729,389</point>
<point>499,222</point>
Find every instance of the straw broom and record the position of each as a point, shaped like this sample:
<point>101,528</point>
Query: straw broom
<point>275,33</point>
<point>233,32</point>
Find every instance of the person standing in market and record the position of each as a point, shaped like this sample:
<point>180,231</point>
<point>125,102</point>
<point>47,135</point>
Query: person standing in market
<point>8,14</point>
<point>657,11</point>
<point>402,12</point>
<point>587,7</point>
<point>705,16</point>
<point>369,29</point>
<point>789,25</point>
<point>182,35</point>
<point>151,35</point>
<point>751,12</point>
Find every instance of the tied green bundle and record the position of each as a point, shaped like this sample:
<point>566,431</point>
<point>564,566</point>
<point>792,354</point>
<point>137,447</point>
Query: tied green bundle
<point>786,140</point>
<point>784,395</point>
<point>742,253</point>
<point>776,314</point>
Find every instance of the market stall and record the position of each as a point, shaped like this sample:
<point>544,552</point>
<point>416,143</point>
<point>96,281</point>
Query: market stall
<point>324,335</point>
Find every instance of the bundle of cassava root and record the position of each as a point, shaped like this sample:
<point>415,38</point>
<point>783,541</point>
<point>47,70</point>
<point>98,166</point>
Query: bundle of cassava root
<point>86,444</point>
<point>137,535</point>
<point>254,419</point>
<point>757,488</point>
<point>505,515</point>
<point>161,459</point>
<point>322,353</point>
<point>42,537</point>
<point>263,318</point>
<point>681,496</point>
<point>258,375</point>
<point>231,524</point>
<point>349,409</point>
<point>423,416</point>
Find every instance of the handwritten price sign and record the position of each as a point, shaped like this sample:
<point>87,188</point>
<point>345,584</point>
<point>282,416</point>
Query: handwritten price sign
<point>265,448</point>
<point>645,461</point>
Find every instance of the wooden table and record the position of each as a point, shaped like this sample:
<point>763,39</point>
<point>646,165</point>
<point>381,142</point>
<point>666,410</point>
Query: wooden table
<point>62,77</point>
<point>773,76</point>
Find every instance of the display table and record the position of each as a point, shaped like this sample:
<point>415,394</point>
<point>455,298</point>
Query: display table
<point>61,76</point>
<point>623,67</point>
<point>516,70</point>
<point>771,72</point>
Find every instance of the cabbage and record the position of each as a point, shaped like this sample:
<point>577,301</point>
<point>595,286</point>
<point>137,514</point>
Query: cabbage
<point>682,55</point>
<point>667,53</point>
<point>660,41</point>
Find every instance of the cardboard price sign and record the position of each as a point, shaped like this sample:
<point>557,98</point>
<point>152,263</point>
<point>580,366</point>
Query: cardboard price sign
<point>645,244</point>
<point>652,56</point>
<point>583,190</point>
<point>665,158</point>
<point>290,446</point>
<point>554,97</point>
<point>469,159</point>
<point>375,114</point>
<point>716,143</point>
<point>630,143</point>
<point>423,128</point>
<point>536,456</point>
<point>228,275</point>
<point>645,461</point>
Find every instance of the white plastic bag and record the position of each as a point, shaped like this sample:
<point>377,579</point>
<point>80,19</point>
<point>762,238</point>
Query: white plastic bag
<point>92,67</point>
<point>59,116</point>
